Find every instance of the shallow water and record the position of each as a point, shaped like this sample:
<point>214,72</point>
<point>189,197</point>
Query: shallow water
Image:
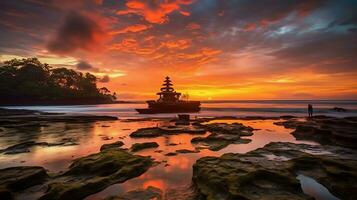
<point>311,187</point>
<point>172,175</point>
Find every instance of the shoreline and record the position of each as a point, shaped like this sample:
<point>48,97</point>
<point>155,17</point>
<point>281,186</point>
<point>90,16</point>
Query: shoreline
<point>66,103</point>
<point>221,132</point>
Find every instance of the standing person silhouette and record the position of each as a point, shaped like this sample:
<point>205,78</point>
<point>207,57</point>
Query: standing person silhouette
<point>310,110</point>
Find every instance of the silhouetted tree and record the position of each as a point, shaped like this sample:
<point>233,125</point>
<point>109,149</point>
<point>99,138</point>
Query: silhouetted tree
<point>30,81</point>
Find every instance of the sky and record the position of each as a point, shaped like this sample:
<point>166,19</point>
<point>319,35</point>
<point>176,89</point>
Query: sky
<point>211,49</point>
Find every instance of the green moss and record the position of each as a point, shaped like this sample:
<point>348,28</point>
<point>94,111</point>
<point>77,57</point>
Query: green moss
<point>95,172</point>
<point>112,145</point>
<point>18,178</point>
<point>254,176</point>
<point>140,146</point>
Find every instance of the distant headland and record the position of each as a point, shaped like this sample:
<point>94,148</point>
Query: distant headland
<point>30,82</point>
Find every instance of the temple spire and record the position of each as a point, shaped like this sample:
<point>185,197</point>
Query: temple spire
<point>167,85</point>
<point>168,93</point>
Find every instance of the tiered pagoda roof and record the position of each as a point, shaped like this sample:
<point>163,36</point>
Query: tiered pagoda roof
<point>168,93</point>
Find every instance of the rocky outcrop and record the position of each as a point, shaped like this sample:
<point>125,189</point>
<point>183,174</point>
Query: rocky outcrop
<point>166,130</point>
<point>21,119</point>
<point>146,145</point>
<point>223,134</point>
<point>147,132</point>
<point>95,172</point>
<point>270,172</point>
<point>183,151</point>
<point>230,129</point>
<point>25,147</point>
<point>325,130</point>
<point>149,193</point>
<point>14,179</point>
<point>114,145</point>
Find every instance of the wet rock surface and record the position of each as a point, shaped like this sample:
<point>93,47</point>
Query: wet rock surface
<point>146,145</point>
<point>22,119</point>
<point>149,193</point>
<point>14,179</point>
<point>95,172</point>
<point>114,145</point>
<point>223,134</point>
<point>187,151</point>
<point>325,130</point>
<point>167,130</point>
<point>25,147</point>
<point>230,129</point>
<point>270,172</point>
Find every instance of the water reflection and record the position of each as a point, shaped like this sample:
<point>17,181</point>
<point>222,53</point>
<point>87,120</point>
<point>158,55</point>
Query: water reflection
<point>172,174</point>
<point>315,189</point>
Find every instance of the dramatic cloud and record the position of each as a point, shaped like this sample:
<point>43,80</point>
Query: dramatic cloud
<point>193,26</point>
<point>220,49</point>
<point>85,66</point>
<point>131,29</point>
<point>104,79</point>
<point>77,32</point>
<point>155,11</point>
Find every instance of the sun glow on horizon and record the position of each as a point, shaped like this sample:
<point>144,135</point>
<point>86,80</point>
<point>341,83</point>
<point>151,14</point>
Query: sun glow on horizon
<point>212,49</point>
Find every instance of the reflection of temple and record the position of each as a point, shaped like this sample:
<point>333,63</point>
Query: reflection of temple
<point>168,93</point>
<point>169,102</point>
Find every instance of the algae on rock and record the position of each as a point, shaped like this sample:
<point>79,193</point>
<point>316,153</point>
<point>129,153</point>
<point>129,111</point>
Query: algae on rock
<point>95,172</point>
<point>14,179</point>
<point>257,175</point>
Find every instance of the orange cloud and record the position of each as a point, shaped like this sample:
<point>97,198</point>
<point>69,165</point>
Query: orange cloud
<point>177,44</point>
<point>154,12</point>
<point>193,26</point>
<point>133,29</point>
<point>184,13</point>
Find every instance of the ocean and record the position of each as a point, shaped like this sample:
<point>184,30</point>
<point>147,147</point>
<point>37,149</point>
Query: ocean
<point>215,108</point>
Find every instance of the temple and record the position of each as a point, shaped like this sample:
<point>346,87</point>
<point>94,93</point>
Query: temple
<point>169,102</point>
<point>168,93</point>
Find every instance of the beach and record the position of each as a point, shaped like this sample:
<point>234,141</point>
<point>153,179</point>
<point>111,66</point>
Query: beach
<point>54,141</point>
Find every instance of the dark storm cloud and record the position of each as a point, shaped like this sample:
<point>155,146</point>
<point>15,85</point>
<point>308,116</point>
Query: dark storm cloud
<point>231,26</point>
<point>77,32</point>
<point>85,66</point>
<point>327,51</point>
<point>23,26</point>
<point>104,79</point>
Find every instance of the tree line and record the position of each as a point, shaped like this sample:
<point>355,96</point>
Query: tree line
<point>28,81</point>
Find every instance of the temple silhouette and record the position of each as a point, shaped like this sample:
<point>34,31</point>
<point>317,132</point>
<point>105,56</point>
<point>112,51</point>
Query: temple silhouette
<point>169,102</point>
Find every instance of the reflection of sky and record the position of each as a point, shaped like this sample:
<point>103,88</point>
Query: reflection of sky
<point>315,189</point>
<point>174,172</point>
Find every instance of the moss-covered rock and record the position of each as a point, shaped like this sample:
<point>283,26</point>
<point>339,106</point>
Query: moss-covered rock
<point>114,145</point>
<point>25,147</point>
<point>147,132</point>
<point>167,130</point>
<point>270,173</point>
<point>230,129</point>
<point>171,154</point>
<point>325,130</point>
<point>14,179</point>
<point>146,145</point>
<point>95,172</point>
<point>186,151</point>
<point>223,134</point>
<point>149,193</point>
